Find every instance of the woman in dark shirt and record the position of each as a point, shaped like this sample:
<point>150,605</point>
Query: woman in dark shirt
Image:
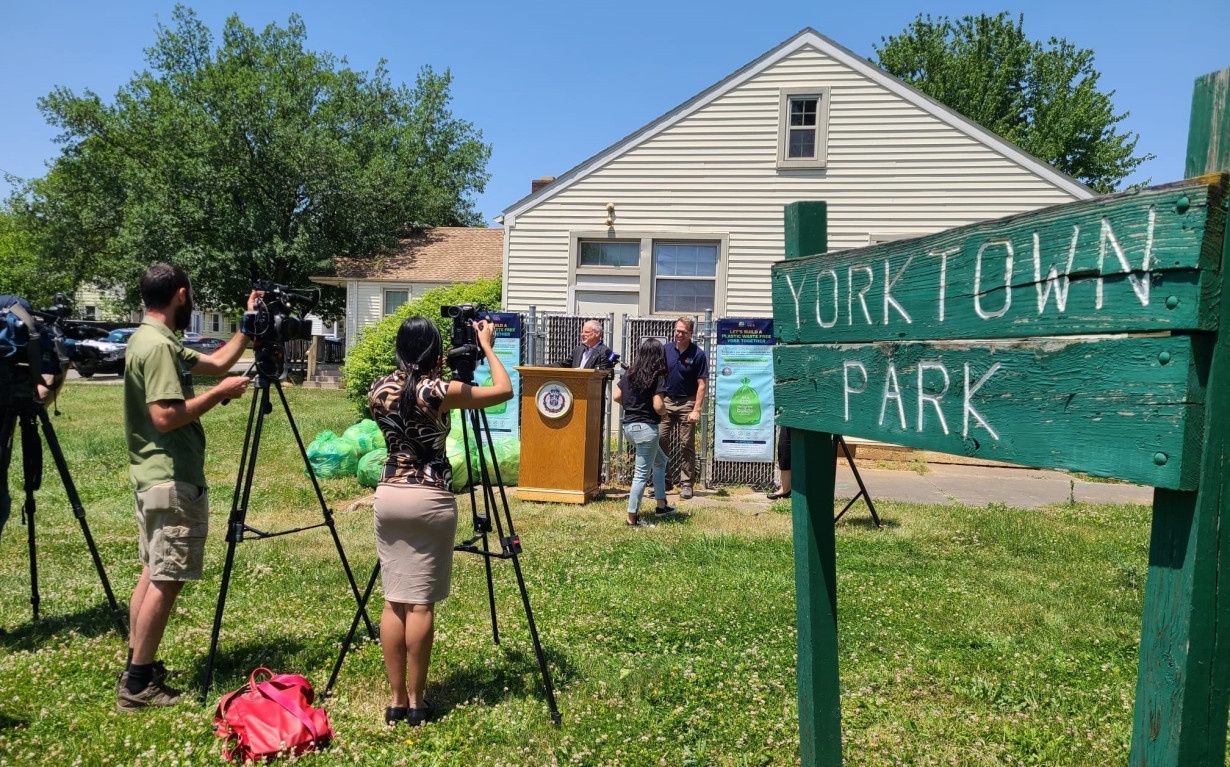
<point>416,514</point>
<point>640,393</point>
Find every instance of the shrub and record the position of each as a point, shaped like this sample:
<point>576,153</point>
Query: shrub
<point>372,355</point>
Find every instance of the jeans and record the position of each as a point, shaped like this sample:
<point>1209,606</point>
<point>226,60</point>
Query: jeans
<point>649,458</point>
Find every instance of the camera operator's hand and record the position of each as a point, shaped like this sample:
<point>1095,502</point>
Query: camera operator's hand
<point>253,297</point>
<point>486,333</point>
<point>233,387</point>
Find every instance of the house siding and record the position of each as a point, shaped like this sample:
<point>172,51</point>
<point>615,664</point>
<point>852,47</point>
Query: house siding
<point>365,303</point>
<point>893,169</point>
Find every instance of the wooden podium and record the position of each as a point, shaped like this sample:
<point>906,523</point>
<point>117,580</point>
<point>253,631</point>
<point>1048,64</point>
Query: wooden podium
<point>561,434</point>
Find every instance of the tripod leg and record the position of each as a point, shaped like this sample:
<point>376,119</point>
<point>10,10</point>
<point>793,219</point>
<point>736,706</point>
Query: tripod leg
<point>235,524</point>
<point>354,626</point>
<point>32,477</point>
<point>488,508</point>
<point>326,511</point>
<point>74,499</point>
<point>512,551</point>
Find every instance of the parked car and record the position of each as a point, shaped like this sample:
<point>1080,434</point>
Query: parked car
<point>203,344</point>
<point>107,353</point>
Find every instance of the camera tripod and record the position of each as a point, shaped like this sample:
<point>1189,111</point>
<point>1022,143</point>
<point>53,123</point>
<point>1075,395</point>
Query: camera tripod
<point>479,543</point>
<point>29,412</point>
<point>237,527</point>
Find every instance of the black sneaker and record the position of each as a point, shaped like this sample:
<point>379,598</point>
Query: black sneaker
<point>665,511</point>
<point>155,694</point>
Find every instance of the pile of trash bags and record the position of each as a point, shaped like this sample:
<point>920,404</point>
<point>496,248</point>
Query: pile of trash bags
<point>360,452</point>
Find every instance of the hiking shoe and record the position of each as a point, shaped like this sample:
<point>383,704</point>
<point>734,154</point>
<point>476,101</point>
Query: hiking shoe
<point>160,675</point>
<point>155,694</point>
<point>685,492</point>
<point>665,511</point>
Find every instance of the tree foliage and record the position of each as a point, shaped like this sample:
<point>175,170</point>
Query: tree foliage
<point>21,270</point>
<point>257,158</point>
<point>1045,99</point>
<point>372,355</point>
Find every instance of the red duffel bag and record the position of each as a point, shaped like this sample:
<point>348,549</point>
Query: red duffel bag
<point>265,719</point>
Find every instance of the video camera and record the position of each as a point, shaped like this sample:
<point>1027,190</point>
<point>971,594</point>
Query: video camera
<point>464,353</point>
<point>279,314</point>
<point>38,339</point>
<point>279,317</point>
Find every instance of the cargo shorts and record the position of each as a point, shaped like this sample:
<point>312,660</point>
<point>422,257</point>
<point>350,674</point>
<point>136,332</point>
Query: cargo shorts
<point>173,520</point>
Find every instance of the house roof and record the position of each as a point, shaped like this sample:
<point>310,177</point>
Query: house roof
<point>440,254</point>
<point>806,37</point>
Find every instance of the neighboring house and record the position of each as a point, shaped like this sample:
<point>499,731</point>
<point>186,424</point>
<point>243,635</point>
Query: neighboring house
<point>685,214</point>
<point>98,304</point>
<point>435,257</point>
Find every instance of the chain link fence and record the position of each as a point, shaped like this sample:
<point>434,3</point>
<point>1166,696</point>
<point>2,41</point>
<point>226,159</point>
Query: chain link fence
<point>550,340</point>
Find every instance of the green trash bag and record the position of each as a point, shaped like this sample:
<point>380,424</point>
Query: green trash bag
<point>456,459</point>
<point>508,456</point>
<point>365,435</point>
<point>332,456</point>
<point>371,466</point>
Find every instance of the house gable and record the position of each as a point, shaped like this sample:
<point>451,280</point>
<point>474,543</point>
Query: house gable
<point>842,57</point>
<point>898,165</point>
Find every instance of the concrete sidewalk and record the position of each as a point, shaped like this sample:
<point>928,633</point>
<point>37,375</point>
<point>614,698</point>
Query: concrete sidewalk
<point>947,484</point>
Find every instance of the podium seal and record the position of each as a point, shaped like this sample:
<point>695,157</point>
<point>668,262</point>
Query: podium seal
<point>554,400</point>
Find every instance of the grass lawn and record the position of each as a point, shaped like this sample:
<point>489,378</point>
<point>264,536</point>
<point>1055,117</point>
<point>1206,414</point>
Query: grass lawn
<point>968,636</point>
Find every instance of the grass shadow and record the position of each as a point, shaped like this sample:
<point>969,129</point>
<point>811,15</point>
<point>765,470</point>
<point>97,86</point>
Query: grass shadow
<point>90,622</point>
<point>853,518</point>
<point>516,675</point>
<point>280,655</point>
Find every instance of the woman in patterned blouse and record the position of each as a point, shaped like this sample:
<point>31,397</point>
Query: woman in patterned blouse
<point>416,514</point>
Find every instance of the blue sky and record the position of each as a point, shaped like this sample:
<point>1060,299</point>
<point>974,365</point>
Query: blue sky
<point>552,83</point>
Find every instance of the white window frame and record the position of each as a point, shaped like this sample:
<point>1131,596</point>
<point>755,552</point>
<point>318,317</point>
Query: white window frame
<point>641,278</point>
<point>384,300</point>
<point>215,322</point>
<point>821,93</point>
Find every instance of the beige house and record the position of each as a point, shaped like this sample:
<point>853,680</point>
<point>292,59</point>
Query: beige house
<point>685,214</point>
<point>433,258</point>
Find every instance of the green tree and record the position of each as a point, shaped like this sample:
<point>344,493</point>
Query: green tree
<point>257,158</point>
<point>22,272</point>
<point>373,354</point>
<point>1044,99</point>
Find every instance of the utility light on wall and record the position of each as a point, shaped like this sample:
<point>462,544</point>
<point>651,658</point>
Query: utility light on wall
<point>610,213</point>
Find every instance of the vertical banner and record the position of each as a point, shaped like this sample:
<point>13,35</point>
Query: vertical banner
<point>743,402</point>
<point>504,418</point>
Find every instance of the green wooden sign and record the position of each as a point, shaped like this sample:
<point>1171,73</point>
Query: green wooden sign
<point>1093,336</point>
<point>1129,408</point>
<point>1137,261</point>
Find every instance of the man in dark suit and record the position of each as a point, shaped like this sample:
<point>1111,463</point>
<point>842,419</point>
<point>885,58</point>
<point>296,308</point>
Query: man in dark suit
<point>591,352</point>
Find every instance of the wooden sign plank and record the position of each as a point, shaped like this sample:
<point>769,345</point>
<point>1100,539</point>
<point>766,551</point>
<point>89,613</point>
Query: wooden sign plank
<point>1129,262</point>
<point>1126,407</point>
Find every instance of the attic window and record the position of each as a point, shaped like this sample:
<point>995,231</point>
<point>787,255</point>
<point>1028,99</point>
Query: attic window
<point>802,140</point>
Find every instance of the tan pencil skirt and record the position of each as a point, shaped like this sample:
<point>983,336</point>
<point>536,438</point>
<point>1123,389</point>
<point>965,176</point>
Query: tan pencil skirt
<point>415,529</point>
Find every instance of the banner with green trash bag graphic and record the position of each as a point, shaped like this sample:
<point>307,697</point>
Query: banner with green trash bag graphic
<point>743,400</point>
<point>504,419</point>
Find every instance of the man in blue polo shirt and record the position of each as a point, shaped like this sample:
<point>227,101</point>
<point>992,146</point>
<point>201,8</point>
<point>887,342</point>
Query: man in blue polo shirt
<point>687,369</point>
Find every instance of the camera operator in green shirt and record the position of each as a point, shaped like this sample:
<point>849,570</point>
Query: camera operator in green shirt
<point>166,455</point>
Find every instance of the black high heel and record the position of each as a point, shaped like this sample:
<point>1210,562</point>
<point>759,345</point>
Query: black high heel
<point>395,714</point>
<point>777,494</point>
<point>416,715</point>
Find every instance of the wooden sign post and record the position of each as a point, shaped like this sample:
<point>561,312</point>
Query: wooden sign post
<point>1094,337</point>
